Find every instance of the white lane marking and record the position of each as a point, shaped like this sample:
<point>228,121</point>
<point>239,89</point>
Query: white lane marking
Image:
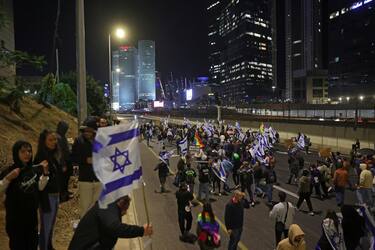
<point>286,191</point>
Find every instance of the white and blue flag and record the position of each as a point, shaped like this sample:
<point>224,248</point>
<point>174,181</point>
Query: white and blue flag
<point>117,161</point>
<point>301,142</point>
<point>219,170</point>
<point>183,144</point>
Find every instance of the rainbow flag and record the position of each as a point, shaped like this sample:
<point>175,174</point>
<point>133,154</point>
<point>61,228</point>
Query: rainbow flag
<point>197,140</point>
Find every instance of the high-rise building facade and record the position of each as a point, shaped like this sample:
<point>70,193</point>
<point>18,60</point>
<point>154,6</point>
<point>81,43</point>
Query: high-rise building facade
<point>146,70</point>
<point>300,33</point>
<point>351,46</point>
<point>240,49</point>
<point>124,78</point>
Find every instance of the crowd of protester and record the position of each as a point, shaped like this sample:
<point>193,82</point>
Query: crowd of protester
<point>227,161</point>
<point>251,177</point>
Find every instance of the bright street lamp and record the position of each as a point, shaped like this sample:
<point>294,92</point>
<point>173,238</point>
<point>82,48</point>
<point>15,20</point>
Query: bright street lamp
<point>361,97</point>
<point>118,70</point>
<point>347,98</point>
<point>120,33</point>
<point>340,99</point>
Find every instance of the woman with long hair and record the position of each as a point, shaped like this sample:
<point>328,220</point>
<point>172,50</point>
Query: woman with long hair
<point>49,150</point>
<point>21,182</point>
<point>332,236</point>
<point>208,229</point>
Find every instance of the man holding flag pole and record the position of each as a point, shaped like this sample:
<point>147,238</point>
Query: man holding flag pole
<point>117,164</point>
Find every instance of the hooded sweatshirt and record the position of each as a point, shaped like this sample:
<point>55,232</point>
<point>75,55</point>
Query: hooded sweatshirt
<point>289,243</point>
<point>21,201</point>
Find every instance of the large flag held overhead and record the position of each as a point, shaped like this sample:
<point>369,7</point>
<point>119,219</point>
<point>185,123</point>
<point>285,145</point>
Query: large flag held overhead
<point>117,161</point>
<point>183,144</point>
<point>219,170</point>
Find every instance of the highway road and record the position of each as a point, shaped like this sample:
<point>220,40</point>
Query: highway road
<point>258,233</point>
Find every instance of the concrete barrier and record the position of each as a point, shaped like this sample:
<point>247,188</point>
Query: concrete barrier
<point>321,136</point>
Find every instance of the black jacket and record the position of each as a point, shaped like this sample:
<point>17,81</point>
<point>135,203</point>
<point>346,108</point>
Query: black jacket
<point>81,150</point>
<point>234,214</point>
<point>99,229</point>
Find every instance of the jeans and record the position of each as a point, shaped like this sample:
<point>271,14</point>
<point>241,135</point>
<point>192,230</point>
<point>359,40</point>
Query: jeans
<point>340,195</point>
<point>204,188</point>
<point>269,189</point>
<point>250,190</point>
<point>234,238</point>
<point>279,234</point>
<point>47,224</point>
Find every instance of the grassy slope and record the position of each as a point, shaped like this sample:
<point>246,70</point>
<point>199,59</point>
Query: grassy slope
<point>13,127</point>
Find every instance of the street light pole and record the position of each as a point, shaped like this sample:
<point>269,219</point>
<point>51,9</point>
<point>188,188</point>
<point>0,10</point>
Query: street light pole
<point>81,62</point>
<point>110,77</point>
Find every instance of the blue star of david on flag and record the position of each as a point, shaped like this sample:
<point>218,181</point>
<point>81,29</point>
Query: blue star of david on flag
<point>115,159</point>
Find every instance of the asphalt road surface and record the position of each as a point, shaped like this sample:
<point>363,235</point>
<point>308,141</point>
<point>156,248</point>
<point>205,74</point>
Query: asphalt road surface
<point>258,231</point>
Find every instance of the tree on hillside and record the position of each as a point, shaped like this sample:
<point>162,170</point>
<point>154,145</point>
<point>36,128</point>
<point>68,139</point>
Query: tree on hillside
<point>64,98</point>
<point>95,93</point>
<point>11,90</point>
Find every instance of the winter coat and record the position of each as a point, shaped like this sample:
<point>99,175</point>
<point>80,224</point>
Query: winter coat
<point>289,243</point>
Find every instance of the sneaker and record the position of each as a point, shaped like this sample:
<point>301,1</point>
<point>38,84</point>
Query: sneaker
<point>311,213</point>
<point>252,204</point>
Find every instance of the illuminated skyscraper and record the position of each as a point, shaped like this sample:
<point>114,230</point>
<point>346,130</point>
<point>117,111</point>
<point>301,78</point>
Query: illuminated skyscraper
<point>240,58</point>
<point>124,78</point>
<point>146,70</point>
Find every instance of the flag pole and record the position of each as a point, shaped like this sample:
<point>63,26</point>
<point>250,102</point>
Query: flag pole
<point>146,208</point>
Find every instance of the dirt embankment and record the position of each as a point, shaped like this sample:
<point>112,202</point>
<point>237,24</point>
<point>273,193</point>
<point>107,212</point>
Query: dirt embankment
<point>34,119</point>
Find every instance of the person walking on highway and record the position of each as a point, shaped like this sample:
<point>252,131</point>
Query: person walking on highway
<point>271,179</point>
<point>234,212</point>
<point>190,176</point>
<point>304,191</point>
<point>247,181</point>
<point>340,181</point>
<point>283,215</point>
<point>364,192</point>
<point>184,205</point>
<point>163,172</point>
<point>293,168</point>
<point>204,179</point>
<point>316,178</point>
<point>295,240</point>
<point>208,229</point>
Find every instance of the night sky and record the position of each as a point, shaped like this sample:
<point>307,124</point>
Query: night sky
<point>178,27</point>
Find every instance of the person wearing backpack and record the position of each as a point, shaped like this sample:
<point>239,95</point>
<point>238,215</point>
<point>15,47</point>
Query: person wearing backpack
<point>283,215</point>
<point>163,172</point>
<point>190,175</point>
<point>204,179</point>
<point>208,229</point>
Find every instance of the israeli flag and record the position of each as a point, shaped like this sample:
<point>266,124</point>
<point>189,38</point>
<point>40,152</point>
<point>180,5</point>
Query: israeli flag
<point>183,144</point>
<point>117,161</point>
<point>237,124</point>
<point>219,170</point>
<point>301,142</point>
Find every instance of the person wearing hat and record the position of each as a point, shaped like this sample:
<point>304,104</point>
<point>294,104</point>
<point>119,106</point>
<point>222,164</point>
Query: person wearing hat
<point>234,212</point>
<point>89,185</point>
<point>304,191</point>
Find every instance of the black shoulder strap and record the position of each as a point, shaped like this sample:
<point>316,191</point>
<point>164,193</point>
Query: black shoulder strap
<point>286,215</point>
